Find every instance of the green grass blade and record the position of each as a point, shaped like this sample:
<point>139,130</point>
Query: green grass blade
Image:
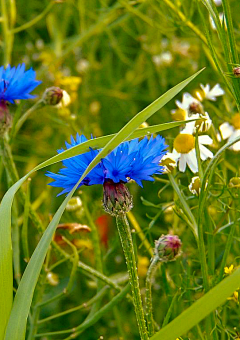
<point>200,309</point>
<point>18,318</point>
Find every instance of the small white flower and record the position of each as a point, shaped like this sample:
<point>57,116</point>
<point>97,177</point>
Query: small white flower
<point>184,107</point>
<point>210,94</point>
<point>65,101</point>
<point>186,101</point>
<point>164,58</point>
<point>184,148</point>
<point>231,131</point>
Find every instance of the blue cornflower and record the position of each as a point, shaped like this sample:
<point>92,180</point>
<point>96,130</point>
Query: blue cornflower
<point>136,160</point>
<point>16,83</point>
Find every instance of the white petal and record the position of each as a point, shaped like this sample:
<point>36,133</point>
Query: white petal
<point>180,105</point>
<point>219,138</point>
<point>205,139</point>
<point>192,161</point>
<point>205,153</point>
<point>226,130</point>
<point>236,146</point>
<point>182,163</point>
<point>176,154</point>
<point>189,128</point>
<point>217,91</point>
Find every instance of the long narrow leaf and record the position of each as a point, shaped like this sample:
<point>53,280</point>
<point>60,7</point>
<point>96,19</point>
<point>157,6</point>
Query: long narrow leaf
<point>200,309</point>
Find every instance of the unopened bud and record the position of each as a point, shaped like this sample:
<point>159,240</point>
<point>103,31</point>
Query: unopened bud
<point>168,248</point>
<point>74,204</point>
<point>52,279</point>
<point>236,71</point>
<point>196,107</point>
<point>52,96</point>
<point>116,198</point>
<point>234,182</point>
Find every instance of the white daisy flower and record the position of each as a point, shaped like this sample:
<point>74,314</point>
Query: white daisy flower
<point>184,148</point>
<point>210,94</point>
<point>188,104</point>
<point>231,131</point>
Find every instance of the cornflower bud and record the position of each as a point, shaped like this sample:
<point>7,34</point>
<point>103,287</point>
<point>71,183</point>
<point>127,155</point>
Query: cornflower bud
<point>52,96</point>
<point>167,248</point>
<point>116,198</point>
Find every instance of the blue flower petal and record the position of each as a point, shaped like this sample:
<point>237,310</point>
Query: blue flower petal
<point>137,160</point>
<point>16,83</point>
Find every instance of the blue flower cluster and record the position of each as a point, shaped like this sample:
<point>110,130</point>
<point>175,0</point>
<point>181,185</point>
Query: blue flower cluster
<point>16,83</point>
<point>137,160</point>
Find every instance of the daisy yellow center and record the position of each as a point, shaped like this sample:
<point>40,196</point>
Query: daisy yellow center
<point>236,121</point>
<point>180,114</point>
<point>184,143</point>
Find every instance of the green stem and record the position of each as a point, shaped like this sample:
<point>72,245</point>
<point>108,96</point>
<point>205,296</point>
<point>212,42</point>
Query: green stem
<point>98,296</point>
<point>91,321</point>
<point>148,297</point>
<point>7,36</point>
<point>25,116</point>
<point>35,20</point>
<point>127,244</point>
<point>185,206</point>
<point>226,252</point>
<point>95,239</point>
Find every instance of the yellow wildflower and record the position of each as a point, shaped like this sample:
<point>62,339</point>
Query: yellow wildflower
<point>228,270</point>
<point>143,264</point>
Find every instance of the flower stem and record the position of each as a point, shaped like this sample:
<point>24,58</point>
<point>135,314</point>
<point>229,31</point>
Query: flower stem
<point>148,298</point>
<point>185,206</point>
<point>127,244</point>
